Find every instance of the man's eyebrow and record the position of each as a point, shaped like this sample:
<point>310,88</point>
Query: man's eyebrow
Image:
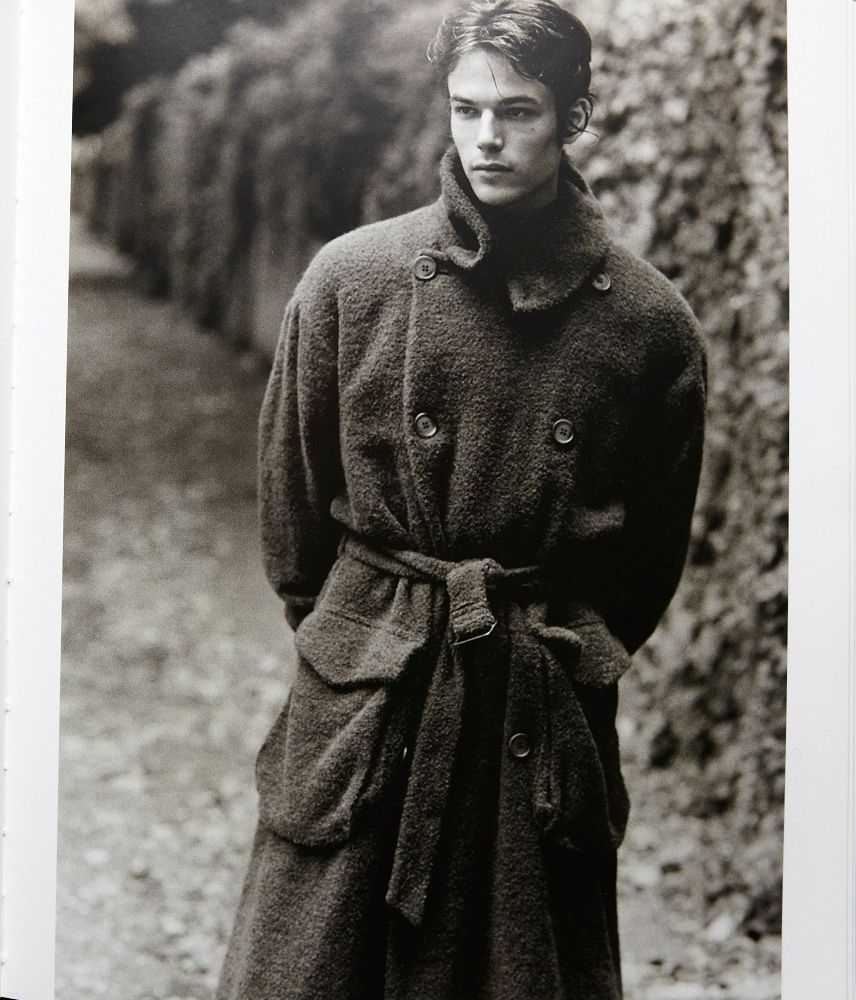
<point>521,99</point>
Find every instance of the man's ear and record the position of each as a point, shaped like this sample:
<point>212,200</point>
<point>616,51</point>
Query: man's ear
<point>579,114</point>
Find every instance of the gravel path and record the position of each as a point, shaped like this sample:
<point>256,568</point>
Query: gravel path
<point>176,660</point>
<point>175,654</point>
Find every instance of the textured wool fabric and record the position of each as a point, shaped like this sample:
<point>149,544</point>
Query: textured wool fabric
<point>455,395</point>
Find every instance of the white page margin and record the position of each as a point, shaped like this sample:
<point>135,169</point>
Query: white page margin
<point>36,252</point>
<point>819,884</point>
<point>819,879</point>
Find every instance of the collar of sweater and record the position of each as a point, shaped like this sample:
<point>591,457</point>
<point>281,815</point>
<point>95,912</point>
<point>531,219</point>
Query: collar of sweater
<point>543,257</point>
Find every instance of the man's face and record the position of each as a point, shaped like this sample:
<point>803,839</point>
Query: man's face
<point>504,128</point>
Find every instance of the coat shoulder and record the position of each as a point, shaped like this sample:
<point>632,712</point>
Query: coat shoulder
<point>374,255</point>
<point>648,303</point>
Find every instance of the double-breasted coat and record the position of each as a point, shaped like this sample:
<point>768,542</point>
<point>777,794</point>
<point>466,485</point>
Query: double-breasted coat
<point>479,454</point>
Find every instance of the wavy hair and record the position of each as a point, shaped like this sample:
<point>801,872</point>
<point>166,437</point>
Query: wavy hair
<point>540,39</point>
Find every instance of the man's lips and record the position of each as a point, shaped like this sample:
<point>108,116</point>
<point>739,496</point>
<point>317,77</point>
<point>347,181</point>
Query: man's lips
<point>486,167</point>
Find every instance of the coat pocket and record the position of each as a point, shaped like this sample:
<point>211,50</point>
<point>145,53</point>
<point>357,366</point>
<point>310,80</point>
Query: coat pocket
<point>580,792</point>
<point>584,639</point>
<point>599,704</point>
<point>579,798</point>
<point>603,659</point>
<point>340,738</point>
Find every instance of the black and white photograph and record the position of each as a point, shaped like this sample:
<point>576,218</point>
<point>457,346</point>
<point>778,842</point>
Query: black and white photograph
<point>425,580</point>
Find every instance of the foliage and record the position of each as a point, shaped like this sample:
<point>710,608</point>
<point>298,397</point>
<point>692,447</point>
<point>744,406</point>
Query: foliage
<point>121,43</point>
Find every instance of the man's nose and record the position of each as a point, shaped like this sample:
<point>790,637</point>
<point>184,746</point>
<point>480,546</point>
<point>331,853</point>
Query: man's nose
<point>490,134</point>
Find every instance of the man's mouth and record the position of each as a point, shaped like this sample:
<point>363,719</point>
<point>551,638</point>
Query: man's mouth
<point>485,166</point>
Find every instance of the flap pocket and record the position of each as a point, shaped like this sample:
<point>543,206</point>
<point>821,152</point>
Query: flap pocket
<point>347,652</point>
<point>580,795</point>
<point>603,657</point>
<point>598,656</point>
<point>339,742</point>
<point>580,799</point>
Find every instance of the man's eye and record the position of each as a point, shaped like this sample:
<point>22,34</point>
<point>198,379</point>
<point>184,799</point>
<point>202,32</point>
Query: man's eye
<point>519,114</point>
<point>462,111</point>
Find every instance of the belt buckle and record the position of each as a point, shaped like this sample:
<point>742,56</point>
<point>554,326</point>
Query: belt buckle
<point>478,635</point>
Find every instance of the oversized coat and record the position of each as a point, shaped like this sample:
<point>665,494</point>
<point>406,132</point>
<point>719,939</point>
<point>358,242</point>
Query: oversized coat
<point>479,454</point>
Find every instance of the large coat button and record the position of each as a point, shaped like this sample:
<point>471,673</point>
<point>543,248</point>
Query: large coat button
<point>602,281</point>
<point>425,425</point>
<point>563,432</point>
<point>424,267</point>
<point>518,746</point>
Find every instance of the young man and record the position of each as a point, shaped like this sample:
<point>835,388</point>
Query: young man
<point>479,453</point>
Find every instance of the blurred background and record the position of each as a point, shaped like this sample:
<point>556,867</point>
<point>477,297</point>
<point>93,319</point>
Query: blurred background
<point>218,144</point>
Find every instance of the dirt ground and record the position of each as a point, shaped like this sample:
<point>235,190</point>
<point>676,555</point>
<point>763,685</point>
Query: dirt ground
<point>176,660</point>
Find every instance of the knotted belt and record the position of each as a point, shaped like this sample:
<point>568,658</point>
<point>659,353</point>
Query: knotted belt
<point>575,800</point>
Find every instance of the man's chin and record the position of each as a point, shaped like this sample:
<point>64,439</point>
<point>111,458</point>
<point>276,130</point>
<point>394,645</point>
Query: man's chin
<point>495,197</point>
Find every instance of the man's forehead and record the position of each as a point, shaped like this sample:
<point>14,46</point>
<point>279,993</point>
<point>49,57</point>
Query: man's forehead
<point>480,77</point>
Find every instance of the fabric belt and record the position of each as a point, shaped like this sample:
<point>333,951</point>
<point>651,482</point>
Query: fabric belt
<point>536,678</point>
<point>466,582</point>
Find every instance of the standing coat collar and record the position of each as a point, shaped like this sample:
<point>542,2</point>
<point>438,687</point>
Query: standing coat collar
<point>544,257</point>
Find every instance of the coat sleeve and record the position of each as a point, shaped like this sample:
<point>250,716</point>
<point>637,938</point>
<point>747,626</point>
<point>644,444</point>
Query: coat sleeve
<point>649,553</point>
<point>299,459</point>
<point>631,576</point>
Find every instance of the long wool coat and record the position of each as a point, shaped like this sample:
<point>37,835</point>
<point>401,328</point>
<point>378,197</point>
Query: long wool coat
<point>479,453</point>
